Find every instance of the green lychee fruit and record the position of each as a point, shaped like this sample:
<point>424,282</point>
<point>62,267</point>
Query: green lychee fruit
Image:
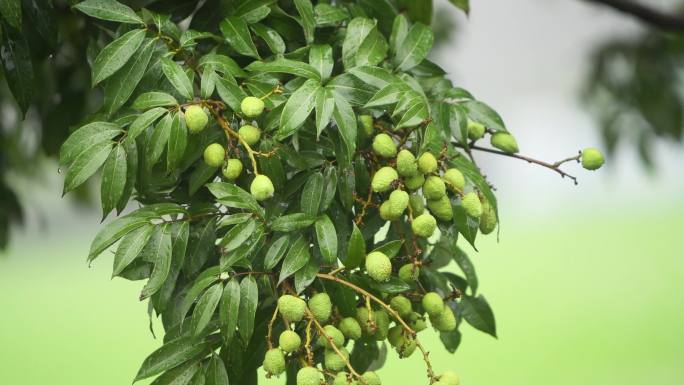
<point>334,333</point>
<point>592,159</point>
<point>367,124</point>
<point>383,179</point>
<point>415,182</point>
<point>350,328</point>
<point>406,163</point>
<point>274,362</point>
<point>401,305</point>
<point>406,347</point>
<point>433,303</point>
<point>449,377</point>
<point>371,378</point>
<point>409,272</point>
<point>195,118</point>
<point>505,142</point>
<point>475,130</point>
<point>333,361</point>
<point>262,187</point>
<point>384,146</point>
<point>382,323</point>
<point>417,322</point>
<point>252,106</point>
<point>399,201</point>
<point>292,308</point>
<point>378,266</point>
<point>309,376</point>
<point>249,134</point>
<point>444,321</point>
<point>416,204</point>
<point>343,378</point>
<point>320,306</point>
<point>395,335</point>
<point>232,169</point>
<point>441,208</point>
<point>289,341</point>
<point>386,212</point>
<point>427,163</point>
<point>424,225</point>
<point>454,178</point>
<point>472,205</point>
<point>488,218</point>
<point>434,187</point>
<point>214,155</point>
<point>366,322</point>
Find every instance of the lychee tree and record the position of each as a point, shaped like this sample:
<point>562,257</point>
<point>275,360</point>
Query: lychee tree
<point>303,177</point>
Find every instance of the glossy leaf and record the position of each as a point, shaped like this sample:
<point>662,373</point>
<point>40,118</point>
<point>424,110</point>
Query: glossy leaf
<point>236,32</point>
<point>205,308</point>
<point>158,251</point>
<point>86,164</point>
<point>482,113</point>
<point>130,247</point>
<point>312,194</point>
<point>171,355</point>
<point>282,65</point>
<point>321,59</point>
<point>85,138</point>
<point>356,251</point>
<point>298,108</point>
<point>10,10</point>
<point>477,312</point>
<point>178,141</point>
<point>297,257</point>
<point>121,85</point>
<point>116,54</point>
<point>249,296</point>
<point>292,222</point>
<point>306,13</point>
<point>109,10</point>
<point>415,47</point>
<point>177,77</point>
<point>113,181</point>
<point>154,99</point>
<point>229,310</point>
<point>143,121</point>
<point>276,251</point>
<point>326,237</point>
<point>16,61</point>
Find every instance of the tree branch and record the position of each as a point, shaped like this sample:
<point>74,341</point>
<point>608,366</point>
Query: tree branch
<point>654,17</point>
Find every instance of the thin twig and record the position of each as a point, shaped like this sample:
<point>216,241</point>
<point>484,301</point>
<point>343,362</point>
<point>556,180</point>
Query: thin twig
<point>649,15</point>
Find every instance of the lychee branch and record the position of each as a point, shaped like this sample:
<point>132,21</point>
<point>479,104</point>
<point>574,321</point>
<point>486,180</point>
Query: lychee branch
<point>229,131</point>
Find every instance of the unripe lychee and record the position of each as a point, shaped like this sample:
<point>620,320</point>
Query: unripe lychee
<point>441,208</point>
<point>289,341</point>
<point>427,163</point>
<point>384,146</point>
<point>364,317</point>
<point>415,182</point>
<point>262,187</point>
<point>409,272</point>
<point>475,130</point>
<point>274,362</point>
<point>406,163</point>
<point>333,361</point>
<point>424,225</point>
<point>382,323</point>
<point>343,378</point>
<point>505,142</point>
<point>214,155</point>
<point>444,321</point>
<point>249,134</point>
<point>378,266</point>
<point>232,169</point>
<point>334,333</point>
<point>383,179</point>
<point>399,201</point>
<point>401,305</point>
<point>252,106</point>
<point>592,159</point>
<point>350,328</point>
<point>309,376</point>
<point>386,212</point>
<point>320,306</point>
<point>433,303</point>
<point>406,347</point>
<point>371,378</point>
<point>488,218</point>
<point>472,205</point>
<point>449,377</point>
<point>292,308</point>
<point>395,335</point>
<point>454,178</point>
<point>417,205</point>
<point>195,118</point>
<point>417,323</point>
<point>434,187</point>
<point>367,124</point>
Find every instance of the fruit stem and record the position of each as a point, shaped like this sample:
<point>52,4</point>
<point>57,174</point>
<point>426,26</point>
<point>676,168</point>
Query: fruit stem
<point>229,131</point>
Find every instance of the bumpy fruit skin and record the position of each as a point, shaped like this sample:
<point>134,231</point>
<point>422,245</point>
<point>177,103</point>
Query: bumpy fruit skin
<point>195,118</point>
<point>309,376</point>
<point>406,163</point>
<point>424,225</point>
<point>382,323</point>
<point>332,332</point>
<point>415,182</point>
<point>417,204</point>
<point>409,273</point>
<point>384,146</point>
<point>406,347</point>
<point>399,201</point>
<point>505,142</point>
<point>214,155</point>
<point>289,341</point>
<point>232,169</point>
<point>454,178</point>
<point>367,124</point>
<point>363,316</point>
<point>333,361</point>
<point>427,163</point>
<point>274,362</point>
<point>472,205</point>
<point>371,378</point>
<point>433,304</point>
<point>592,159</point>
<point>401,305</point>
<point>444,321</point>
<point>395,335</point>
<point>378,266</point>
<point>383,179</point>
<point>262,187</point>
<point>441,208</point>
<point>417,323</point>
<point>252,106</point>
<point>249,134</point>
<point>386,212</point>
<point>320,306</point>
<point>342,378</point>
<point>291,307</point>
<point>449,377</point>
<point>350,328</point>
<point>488,218</point>
<point>434,187</point>
<point>475,130</point>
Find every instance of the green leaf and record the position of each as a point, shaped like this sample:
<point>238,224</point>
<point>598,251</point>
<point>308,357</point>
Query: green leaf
<point>416,113</point>
<point>312,193</point>
<point>415,47</point>
<point>15,57</point>
<point>207,83</point>
<point>433,139</point>
<point>356,251</point>
<point>205,308</point>
<point>121,85</point>
<point>373,50</point>
<point>346,124</point>
<point>292,222</point>
<point>236,32</point>
<point>482,113</point>
<point>477,312</point>
<point>391,248</point>
<point>207,278</point>
<point>393,285</point>
<point>328,15</point>
<point>158,251</point>
<point>321,59</point>
<point>325,106</point>
<point>464,5</point>
<point>181,375</point>
<point>282,65</point>
<point>130,247</point>
<point>390,94</point>
<point>113,179</point>
<point>466,225</point>
<point>350,88</point>
<point>308,22</point>
<point>177,77</point>
<point>418,10</point>
<point>180,232</point>
<point>374,76</point>
<point>467,266</point>
<point>154,99</point>
<point>109,10</point>
<point>116,54</point>
<point>357,31</point>
<point>85,138</point>
<point>157,142</point>
<point>274,41</point>
<point>330,178</point>
<point>143,121</point>
<point>199,176</point>
<point>306,275</point>
<point>327,239</point>
<point>216,372</point>
<point>233,196</point>
<point>171,355</point>
<point>236,236</point>
<point>178,141</point>
<point>276,251</point>
<point>249,296</point>
<point>229,310</point>
<point>11,11</point>
<point>230,92</point>
<point>400,30</point>
<point>297,257</point>
<point>222,64</point>
<point>86,164</point>
<point>298,108</point>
